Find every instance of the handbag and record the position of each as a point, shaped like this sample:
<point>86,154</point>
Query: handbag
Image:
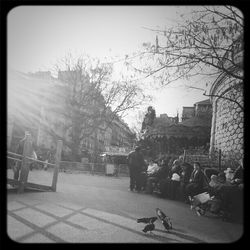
<point>175,177</point>
<point>202,198</point>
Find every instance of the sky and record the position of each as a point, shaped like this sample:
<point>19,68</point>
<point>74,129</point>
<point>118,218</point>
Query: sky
<point>38,36</point>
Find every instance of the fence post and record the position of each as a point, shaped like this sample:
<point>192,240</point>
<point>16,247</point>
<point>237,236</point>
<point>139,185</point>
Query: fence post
<point>57,165</point>
<point>24,171</point>
<point>219,159</point>
<point>92,168</point>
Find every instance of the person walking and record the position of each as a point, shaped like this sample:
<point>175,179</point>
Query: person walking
<point>136,165</point>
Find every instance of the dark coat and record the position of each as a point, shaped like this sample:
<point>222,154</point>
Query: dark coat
<point>136,161</point>
<point>20,147</point>
<point>197,178</point>
<point>175,169</point>
<point>238,173</point>
<point>187,171</point>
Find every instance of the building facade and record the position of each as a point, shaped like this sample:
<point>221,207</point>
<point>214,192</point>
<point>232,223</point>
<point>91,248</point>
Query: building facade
<point>41,108</point>
<point>200,109</point>
<point>168,135</point>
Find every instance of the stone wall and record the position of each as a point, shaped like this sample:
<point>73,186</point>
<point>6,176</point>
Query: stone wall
<point>228,121</point>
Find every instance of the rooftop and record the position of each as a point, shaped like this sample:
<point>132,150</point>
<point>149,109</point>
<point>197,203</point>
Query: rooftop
<point>207,101</point>
<point>197,122</point>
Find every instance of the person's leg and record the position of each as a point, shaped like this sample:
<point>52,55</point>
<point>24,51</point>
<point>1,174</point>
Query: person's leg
<point>172,189</point>
<point>138,181</point>
<point>149,185</point>
<point>132,181</point>
<point>176,190</point>
<point>16,174</point>
<point>45,165</point>
<point>17,169</point>
<point>164,187</point>
<point>144,181</point>
<point>189,190</point>
<point>184,193</point>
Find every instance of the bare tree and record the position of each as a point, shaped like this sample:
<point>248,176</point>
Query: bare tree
<point>87,100</point>
<point>208,42</point>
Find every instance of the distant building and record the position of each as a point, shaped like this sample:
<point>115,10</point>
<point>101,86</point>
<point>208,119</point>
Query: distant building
<point>168,135</point>
<point>203,108</point>
<point>167,119</point>
<point>187,112</point>
<point>45,109</point>
<point>200,109</point>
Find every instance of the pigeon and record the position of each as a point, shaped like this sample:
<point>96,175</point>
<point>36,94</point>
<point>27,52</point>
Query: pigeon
<point>160,214</point>
<point>147,220</point>
<point>165,220</point>
<point>149,227</point>
<point>167,224</point>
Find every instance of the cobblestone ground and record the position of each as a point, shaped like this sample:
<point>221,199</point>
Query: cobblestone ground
<point>99,209</point>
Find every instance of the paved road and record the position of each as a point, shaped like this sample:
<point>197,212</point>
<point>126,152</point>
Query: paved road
<point>89,208</point>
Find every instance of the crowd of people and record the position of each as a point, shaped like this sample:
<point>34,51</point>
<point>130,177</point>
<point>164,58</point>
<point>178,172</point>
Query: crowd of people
<point>178,180</point>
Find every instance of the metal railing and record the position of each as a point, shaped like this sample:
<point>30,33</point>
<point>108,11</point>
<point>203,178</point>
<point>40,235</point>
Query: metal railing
<point>26,157</point>
<point>93,168</point>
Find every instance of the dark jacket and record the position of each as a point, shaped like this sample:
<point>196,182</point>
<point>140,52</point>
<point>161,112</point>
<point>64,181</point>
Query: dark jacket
<point>197,178</point>
<point>20,147</point>
<point>175,169</point>
<point>238,173</point>
<point>136,161</point>
<point>187,171</point>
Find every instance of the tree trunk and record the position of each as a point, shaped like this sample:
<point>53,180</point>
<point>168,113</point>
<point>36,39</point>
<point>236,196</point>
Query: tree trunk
<point>74,151</point>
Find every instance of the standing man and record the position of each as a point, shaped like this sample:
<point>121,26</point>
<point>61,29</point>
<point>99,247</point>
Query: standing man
<point>136,165</point>
<point>19,150</point>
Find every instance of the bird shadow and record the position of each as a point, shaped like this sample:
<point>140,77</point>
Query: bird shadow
<point>157,237</point>
<point>180,233</point>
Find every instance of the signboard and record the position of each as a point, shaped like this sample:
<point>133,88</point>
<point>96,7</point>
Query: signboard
<point>115,149</point>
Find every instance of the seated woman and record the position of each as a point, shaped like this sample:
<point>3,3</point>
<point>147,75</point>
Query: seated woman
<point>230,195</point>
<point>155,173</point>
<point>195,185</point>
<point>232,200</point>
<point>238,175</point>
<point>166,185</point>
<point>216,181</point>
<point>187,170</point>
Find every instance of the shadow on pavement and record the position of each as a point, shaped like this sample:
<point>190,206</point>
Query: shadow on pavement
<point>177,232</point>
<point>26,190</point>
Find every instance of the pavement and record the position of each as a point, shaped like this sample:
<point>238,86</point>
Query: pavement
<point>100,209</point>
